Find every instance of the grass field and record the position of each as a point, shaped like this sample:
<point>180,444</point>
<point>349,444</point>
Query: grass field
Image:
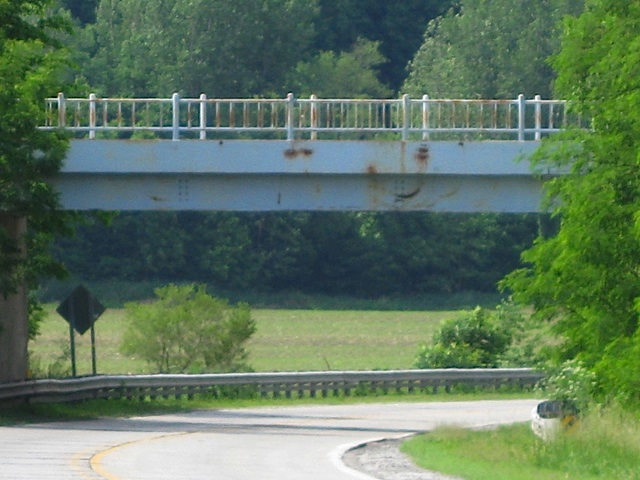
<point>285,340</point>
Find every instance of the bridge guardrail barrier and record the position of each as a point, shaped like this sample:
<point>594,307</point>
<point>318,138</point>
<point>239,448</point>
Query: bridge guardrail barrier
<point>311,118</point>
<point>265,384</point>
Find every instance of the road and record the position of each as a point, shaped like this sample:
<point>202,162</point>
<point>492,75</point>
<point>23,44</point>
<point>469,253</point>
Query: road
<point>283,443</point>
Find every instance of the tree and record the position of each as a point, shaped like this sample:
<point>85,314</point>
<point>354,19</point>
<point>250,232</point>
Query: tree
<point>31,66</point>
<point>396,25</point>
<point>490,49</point>
<point>344,75</point>
<point>186,329</point>
<point>217,47</point>
<point>586,279</point>
<point>82,10</point>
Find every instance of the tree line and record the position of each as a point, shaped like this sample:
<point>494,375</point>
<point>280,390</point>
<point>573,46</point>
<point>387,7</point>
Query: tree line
<point>360,254</point>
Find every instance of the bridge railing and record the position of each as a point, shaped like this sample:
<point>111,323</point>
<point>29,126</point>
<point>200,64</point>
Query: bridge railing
<point>310,118</point>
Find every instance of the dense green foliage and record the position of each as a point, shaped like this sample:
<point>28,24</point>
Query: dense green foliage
<point>490,49</point>
<point>31,67</point>
<point>379,253</point>
<point>234,49</point>
<point>187,330</point>
<point>585,279</point>
<point>398,25</point>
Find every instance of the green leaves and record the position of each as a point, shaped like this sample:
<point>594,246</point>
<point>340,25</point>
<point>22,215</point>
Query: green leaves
<point>477,339</point>
<point>187,330</point>
<point>587,278</point>
<point>221,48</point>
<point>346,75</point>
<point>31,67</point>
<point>496,49</point>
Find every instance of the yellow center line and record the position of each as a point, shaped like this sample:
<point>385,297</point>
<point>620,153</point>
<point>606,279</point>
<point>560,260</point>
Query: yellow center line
<point>96,460</point>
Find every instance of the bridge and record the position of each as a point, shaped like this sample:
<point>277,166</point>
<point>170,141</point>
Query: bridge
<point>402,154</point>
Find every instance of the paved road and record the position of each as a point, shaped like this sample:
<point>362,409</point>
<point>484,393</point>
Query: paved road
<point>283,443</point>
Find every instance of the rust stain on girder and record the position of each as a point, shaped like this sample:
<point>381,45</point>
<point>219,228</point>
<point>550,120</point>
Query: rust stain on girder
<point>291,153</point>
<point>422,155</point>
<point>372,169</point>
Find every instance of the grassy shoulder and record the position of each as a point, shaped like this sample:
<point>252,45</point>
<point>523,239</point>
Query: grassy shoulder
<point>604,445</point>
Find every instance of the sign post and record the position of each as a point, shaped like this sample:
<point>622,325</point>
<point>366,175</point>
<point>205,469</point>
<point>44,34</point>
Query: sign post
<point>81,309</point>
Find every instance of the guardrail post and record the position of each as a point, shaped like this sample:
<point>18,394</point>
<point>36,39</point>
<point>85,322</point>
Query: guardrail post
<point>92,116</point>
<point>203,116</point>
<point>290,122</point>
<point>521,117</point>
<point>406,116</point>
<point>538,117</point>
<point>314,117</point>
<point>175,126</point>
<point>62,114</point>
<point>425,117</point>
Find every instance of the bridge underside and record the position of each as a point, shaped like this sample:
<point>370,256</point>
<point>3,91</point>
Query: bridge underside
<point>272,175</point>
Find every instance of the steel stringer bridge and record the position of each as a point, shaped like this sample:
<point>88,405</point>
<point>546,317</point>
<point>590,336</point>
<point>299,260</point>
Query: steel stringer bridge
<point>402,154</point>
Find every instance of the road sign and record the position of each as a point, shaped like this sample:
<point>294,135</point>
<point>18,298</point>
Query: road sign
<point>81,309</point>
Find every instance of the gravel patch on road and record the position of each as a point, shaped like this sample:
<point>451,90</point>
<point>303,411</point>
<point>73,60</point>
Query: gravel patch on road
<point>384,460</point>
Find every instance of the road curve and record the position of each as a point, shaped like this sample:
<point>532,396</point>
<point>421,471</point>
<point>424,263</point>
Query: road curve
<point>283,443</point>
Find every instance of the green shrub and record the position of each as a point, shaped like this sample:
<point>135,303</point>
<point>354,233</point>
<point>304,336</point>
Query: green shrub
<point>477,339</point>
<point>187,330</point>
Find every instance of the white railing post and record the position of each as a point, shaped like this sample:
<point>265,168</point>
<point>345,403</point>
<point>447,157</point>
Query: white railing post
<point>538,117</point>
<point>425,117</point>
<point>314,117</point>
<point>92,116</point>
<point>203,116</point>
<point>290,122</point>
<point>521,117</point>
<point>406,116</point>
<point>175,126</point>
<point>62,114</point>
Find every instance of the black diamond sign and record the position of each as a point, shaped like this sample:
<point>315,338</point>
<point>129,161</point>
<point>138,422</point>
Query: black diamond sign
<point>80,309</point>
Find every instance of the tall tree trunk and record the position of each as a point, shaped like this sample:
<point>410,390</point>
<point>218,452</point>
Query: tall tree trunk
<point>14,326</point>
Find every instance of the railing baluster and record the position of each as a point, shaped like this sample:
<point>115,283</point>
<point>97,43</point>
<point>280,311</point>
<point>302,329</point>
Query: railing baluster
<point>290,122</point>
<point>203,116</point>
<point>406,116</point>
<point>521,117</point>
<point>92,116</point>
<point>425,117</point>
<point>538,119</point>
<point>175,104</point>
<point>314,117</point>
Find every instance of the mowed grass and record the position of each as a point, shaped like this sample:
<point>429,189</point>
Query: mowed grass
<point>285,340</point>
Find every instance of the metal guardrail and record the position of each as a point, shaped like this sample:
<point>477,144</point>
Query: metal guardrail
<point>294,118</point>
<point>288,384</point>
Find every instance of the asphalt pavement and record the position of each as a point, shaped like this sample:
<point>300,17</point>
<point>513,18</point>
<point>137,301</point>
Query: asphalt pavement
<point>283,443</point>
